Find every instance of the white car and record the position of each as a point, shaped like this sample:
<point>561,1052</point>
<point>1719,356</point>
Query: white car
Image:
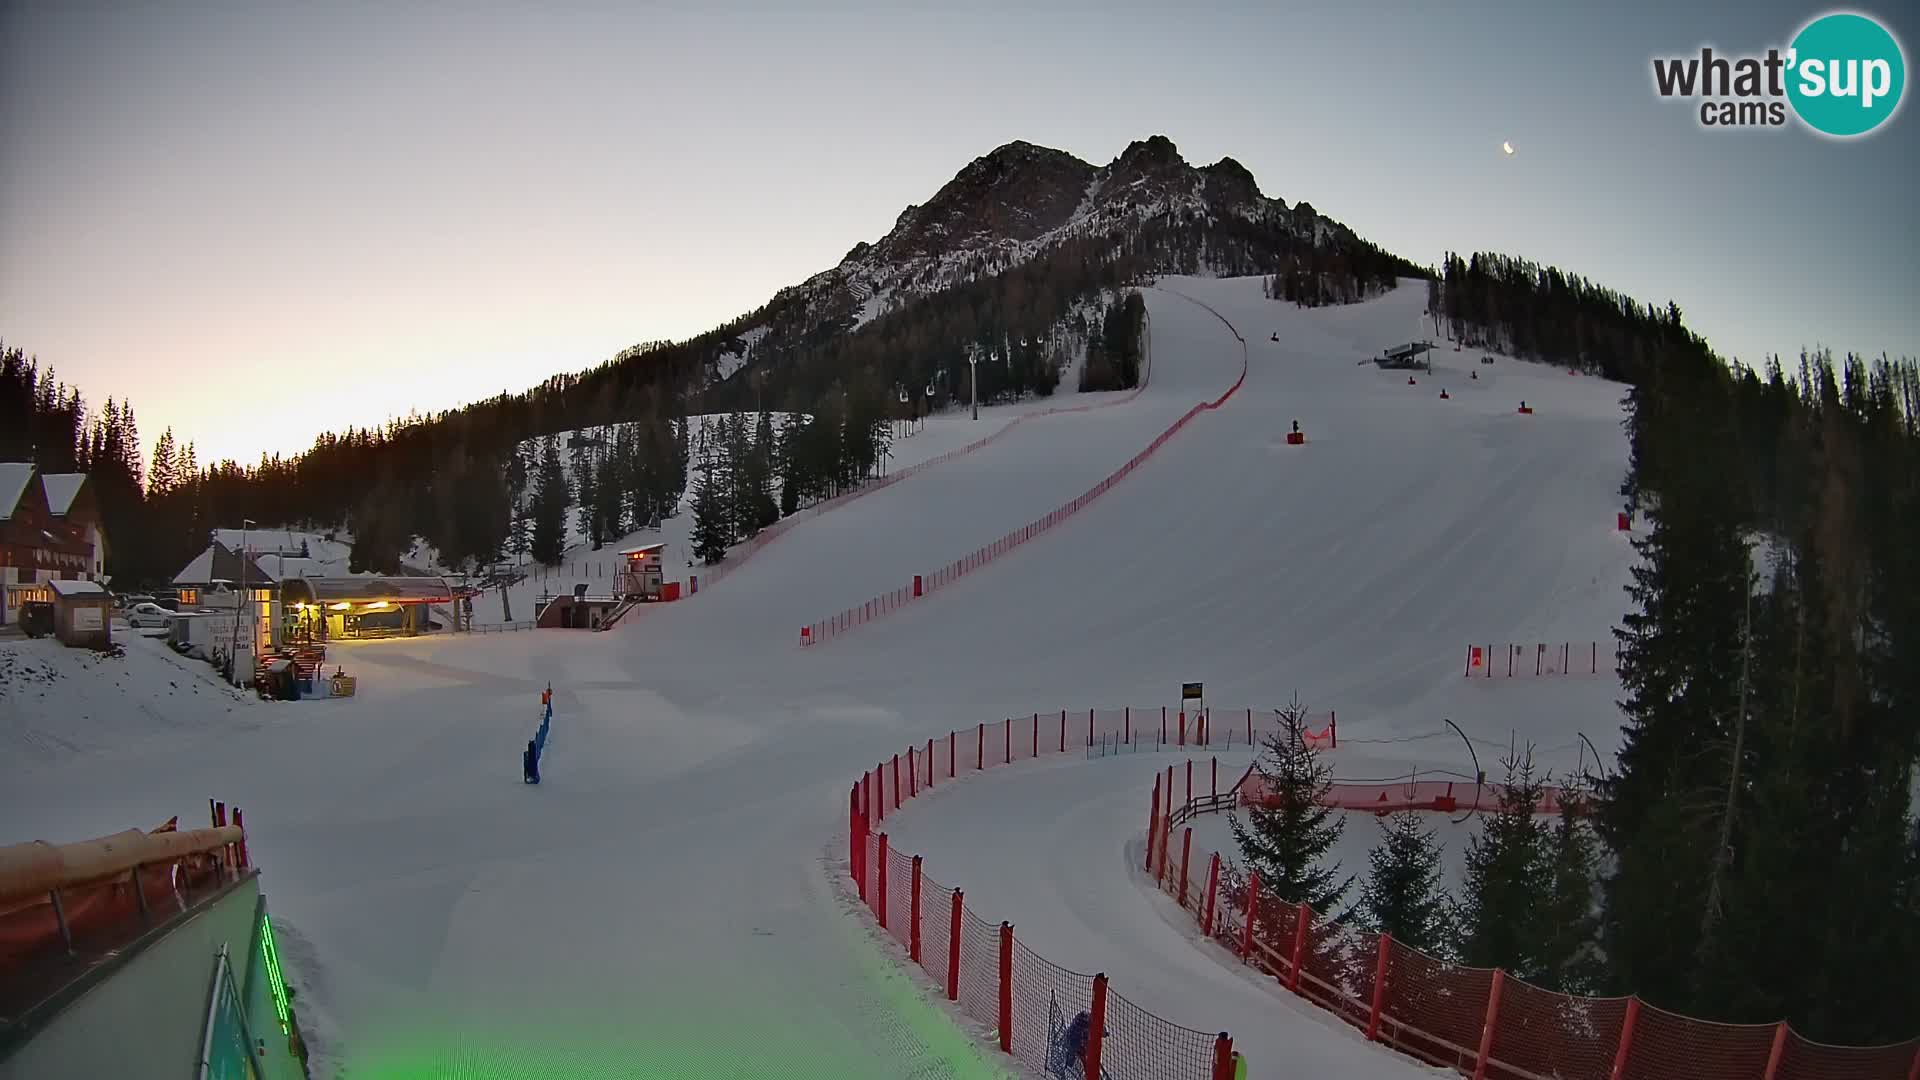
<point>145,615</point>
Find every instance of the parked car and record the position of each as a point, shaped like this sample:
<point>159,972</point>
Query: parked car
<point>36,618</point>
<point>149,613</point>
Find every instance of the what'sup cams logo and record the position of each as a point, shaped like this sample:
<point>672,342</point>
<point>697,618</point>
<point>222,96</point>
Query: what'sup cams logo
<point>1843,75</point>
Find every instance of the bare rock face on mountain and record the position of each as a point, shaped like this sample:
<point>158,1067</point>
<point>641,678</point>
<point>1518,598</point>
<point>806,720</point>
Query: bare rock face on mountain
<point>1023,202</point>
<point>1018,192</point>
<point>1006,207</point>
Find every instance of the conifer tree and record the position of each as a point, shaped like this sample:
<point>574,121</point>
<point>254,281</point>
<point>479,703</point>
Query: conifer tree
<point>1509,880</point>
<point>551,498</point>
<point>1403,896</point>
<point>1569,961</point>
<point>1661,811</point>
<point>1286,837</point>
<point>586,483</point>
<point>712,515</point>
<point>609,498</point>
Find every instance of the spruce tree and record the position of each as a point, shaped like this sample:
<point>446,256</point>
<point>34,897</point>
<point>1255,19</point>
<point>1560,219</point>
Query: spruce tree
<point>1285,838</point>
<point>712,517</point>
<point>1661,810</point>
<point>586,483</point>
<point>609,498</point>
<point>1403,895</point>
<point>551,498</point>
<point>1509,880</point>
<point>1569,961</point>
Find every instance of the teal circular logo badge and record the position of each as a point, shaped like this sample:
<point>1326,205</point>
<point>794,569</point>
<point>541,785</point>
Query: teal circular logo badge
<point>1846,74</point>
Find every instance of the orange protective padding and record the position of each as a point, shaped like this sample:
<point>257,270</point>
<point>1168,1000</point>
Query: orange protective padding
<point>32,930</point>
<point>33,869</point>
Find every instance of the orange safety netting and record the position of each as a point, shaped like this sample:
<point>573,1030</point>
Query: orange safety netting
<point>1478,1019</point>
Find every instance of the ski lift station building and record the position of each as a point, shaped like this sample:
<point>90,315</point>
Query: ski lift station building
<point>1406,356</point>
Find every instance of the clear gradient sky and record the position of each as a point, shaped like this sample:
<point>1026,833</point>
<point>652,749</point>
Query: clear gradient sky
<point>258,220</point>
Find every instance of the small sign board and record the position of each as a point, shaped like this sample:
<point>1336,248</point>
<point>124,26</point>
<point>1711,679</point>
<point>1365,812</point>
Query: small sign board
<point>1190,691</point>
<point>87,619</point>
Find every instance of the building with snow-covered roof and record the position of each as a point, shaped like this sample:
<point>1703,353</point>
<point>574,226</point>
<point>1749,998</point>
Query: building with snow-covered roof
<point>39,543</point>
<point>70,498</point>
<point>82,613</point>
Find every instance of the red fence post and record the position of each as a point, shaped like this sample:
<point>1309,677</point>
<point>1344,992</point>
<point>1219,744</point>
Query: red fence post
<point>1778,1051</point>
<point>1486,1028</point>
<point>1097,1030</point>
<point>857,844</point>
<point>1249,729</point>
<point>1333,726</point>
<point>1302,918</point>
<point>913,775</point>
<point>1186,853</point>
<point>1222,1058</point>
<point>1063,731</point>
<point>1163,725</point>
<point>1189,801</point>
<point>881,882</point>
<point>1914,1073</point>
<point>913,915</point>
<point>930,763</point>
<point>1153,822</point>
<point>916,586</point>
<point>1127,725</point>
<point>981,761</point>
<point>1182,729</point>
<point>1621,1055</point>
<point>1253,912</point>
<point>1216,778</point>
<point>953,947</point>
<point>1006,987</point>
<point>1036,734</point>
<point>1213,891</point>
<point>950,755</point>
<point>240,846</point>
<point>1379,988</point>
<point>1089,727</point>
<point>1166,846</point>
<point>880,781</point>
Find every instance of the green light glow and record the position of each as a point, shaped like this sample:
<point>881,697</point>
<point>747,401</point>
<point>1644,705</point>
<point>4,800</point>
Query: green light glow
<point>279,985</point>
<point>759,1025</point>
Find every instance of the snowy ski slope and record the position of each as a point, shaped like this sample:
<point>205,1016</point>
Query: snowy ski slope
<point>664,899</point>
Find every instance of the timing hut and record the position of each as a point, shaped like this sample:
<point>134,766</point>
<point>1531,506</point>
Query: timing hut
<point>641,572</point>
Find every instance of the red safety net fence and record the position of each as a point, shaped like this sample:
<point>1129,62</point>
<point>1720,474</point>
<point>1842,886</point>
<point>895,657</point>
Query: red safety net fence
<point>925,584</point>
<point>1029,1002</point>
<point>1482,1022</point>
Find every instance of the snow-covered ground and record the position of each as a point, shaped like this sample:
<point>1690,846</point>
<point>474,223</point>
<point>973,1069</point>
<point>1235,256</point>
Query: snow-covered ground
<point>1055,847</point>
<point>670,876</point>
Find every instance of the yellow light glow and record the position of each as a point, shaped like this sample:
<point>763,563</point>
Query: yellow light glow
<point>376,605</point>
<point>341,606</point>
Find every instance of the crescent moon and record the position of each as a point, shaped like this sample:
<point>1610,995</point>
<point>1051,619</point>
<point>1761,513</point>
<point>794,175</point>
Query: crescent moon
<point>1507,146</point>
